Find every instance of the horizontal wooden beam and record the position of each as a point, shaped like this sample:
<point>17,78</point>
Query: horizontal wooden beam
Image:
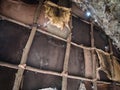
<point>32,69</point>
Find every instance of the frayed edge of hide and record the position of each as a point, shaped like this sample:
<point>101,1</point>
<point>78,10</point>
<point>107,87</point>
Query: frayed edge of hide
<point>113,69</point>
<point>59,16</point>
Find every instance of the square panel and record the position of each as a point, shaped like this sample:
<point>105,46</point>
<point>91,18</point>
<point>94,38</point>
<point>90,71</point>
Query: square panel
<point>76,63</point>
<point>13,39</point>
<point>7,77</point>
<point>35,81</point>
<point>80,32</point>
<point>47,53</point>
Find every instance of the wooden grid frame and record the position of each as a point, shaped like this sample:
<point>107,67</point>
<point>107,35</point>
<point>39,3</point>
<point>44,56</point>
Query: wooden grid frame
<point>64,74</point>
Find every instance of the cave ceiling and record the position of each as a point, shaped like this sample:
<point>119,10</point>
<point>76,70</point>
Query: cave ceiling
<point>106,13</point>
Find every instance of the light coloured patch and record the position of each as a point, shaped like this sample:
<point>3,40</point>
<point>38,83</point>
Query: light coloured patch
<point>109,65</point>
<point>57,15</point>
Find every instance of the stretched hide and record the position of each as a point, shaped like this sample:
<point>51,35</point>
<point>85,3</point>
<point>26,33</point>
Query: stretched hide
<point>58,15</point>
<point>110,66</point>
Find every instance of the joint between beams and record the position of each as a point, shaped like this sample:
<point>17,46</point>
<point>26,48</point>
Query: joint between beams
<point>35,25</point>
<point>23,66</point>
<point>65,74</point>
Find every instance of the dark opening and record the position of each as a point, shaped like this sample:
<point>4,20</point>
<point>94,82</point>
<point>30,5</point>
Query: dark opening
<point>37,1</point>
<point>31,1</point>
<point>54,1</point>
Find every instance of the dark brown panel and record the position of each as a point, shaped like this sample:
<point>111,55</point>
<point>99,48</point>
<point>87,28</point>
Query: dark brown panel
<point>35,81</point>
<point>73,84</point>
<point>47,53</point>
<point>76,85</point>
<point>7,76</point>
<point>80,32</point>
<point>13,38</point>
<point>116,52</point>
<point>76,62</point>
<point>104,87</point>
<point>101,40</point>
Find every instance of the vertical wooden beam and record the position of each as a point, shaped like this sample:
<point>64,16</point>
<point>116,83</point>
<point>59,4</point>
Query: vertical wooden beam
<point>93,59</point>
<point>88,57</point>
<point>26,50</point>
<point>66,61</point>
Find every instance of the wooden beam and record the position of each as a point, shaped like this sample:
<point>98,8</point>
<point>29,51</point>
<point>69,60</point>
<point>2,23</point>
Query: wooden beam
<point>26,50</point>
<point>66,61</point>
<point>22,65</point>
<point>32,69</point>
<point>8,65</point>
<point>93,59</point>
<point>67,57</point>
<point>79,13</point>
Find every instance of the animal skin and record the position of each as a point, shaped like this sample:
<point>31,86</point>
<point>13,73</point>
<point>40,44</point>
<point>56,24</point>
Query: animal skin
<point>57,15</point>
